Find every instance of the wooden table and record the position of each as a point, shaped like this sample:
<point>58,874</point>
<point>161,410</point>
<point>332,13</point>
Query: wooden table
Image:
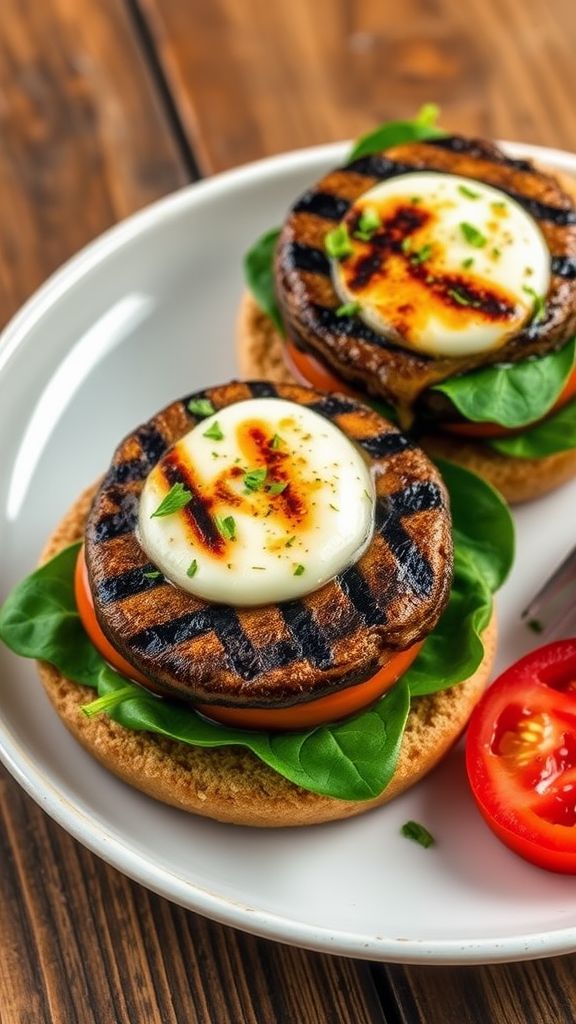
<point>104,106</point>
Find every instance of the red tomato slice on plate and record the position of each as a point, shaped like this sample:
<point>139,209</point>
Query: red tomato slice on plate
<point>521,756</point>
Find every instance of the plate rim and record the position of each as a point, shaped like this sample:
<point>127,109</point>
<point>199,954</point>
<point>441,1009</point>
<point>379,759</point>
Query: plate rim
<point>106,843</point>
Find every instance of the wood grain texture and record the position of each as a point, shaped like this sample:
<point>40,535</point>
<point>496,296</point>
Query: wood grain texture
<point>83,137</point>
<point>254,78</point>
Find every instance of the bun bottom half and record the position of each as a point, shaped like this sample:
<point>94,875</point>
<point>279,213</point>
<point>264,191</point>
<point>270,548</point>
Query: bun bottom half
<point>230,784</point>
<point>259,355</point>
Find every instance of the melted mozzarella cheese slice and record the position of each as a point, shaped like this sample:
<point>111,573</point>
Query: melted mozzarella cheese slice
<point>280,501</point>
<point>454,268</point>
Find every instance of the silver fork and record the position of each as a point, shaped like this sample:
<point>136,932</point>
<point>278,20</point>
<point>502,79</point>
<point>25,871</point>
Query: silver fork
<point>552,612</point>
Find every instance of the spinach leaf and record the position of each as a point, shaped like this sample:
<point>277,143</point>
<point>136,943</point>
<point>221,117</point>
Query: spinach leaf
<point>454,650</point>
<point>395,133</point>
<point>555,434</point>
<point>39,619</point>
<point>481,523</point>
<point>512,395</point>
<point>259,274</point>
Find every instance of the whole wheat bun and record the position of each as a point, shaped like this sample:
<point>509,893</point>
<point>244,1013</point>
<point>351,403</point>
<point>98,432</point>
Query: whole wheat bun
<point>259,355</point>
<point>231,784</point>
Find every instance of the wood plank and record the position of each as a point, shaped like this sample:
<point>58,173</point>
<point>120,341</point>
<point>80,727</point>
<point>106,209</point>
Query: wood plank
<point>255,78</point>
<point>84,140</point>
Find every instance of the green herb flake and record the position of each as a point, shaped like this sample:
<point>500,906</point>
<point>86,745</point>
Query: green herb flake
<point>348,309</point>
<point>458,297</point>
<point>192,569</point>
<point>468,262</point>
<point>254,479</point>
<point>151,575</point>
<point>468,192</point>
<point>406,245</point>
<point>472,235</point>
<point>201,407</point>
<point>214,432</point>
<point>334,507</point>
<point>535,625</point>
<point>262,568</point>
<point>538,304</point>
<point>176,499</point>
<point>422,254</point>
<point>226,526</point>
<point>299,570</point>
<point>498,205</point>
<point>276,442</point>
<point>413,830</point>
<point>369,221</point>
<point>337,243</point>
<point>415,200</point>
<point>290,541</point>
<point>496,253</point>
<point>277,486</point>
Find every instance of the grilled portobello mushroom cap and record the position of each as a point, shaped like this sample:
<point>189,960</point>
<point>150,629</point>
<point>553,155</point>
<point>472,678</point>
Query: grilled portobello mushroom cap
<point>362,356</point>
<point>293,651</point>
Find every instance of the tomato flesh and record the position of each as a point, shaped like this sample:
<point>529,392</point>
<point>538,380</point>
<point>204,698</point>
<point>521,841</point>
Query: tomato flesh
<point>521,756</point>
<point>301,716</point>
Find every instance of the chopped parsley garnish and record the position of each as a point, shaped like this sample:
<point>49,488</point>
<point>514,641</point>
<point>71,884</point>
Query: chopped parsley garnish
<point>468,192</point>
<point>496,253</point>
<point>176,499</point>
<point>538,307</point>
<point>152,575</point>
<point>459,297</point>
<point>290,541</point>
<point>416,199</point>
<point>201,407</point>
<point>535,625</point>
<point>214,432</point>
<point>226,527</point>
<point>406,244</point>
<point>334,507</point>
<point>499,205</point>
<point>276,442</point>
<point>261,567</point>
<point>369,221</point>
<point>254,478</point>
<point>277,486</point>
<point>413,830</point>
<point>422,254</point>
<point>337,243</point>
<point>472,235</point>
<point>468,263</point>
<point>298,570</point>
<point>192,569</point>
<point>348,309</point>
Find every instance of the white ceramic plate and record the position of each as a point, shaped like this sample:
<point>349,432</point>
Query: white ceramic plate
<point>141,316</point>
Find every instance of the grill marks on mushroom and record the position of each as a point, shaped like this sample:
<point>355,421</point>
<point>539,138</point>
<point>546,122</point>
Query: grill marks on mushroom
<point>295,650</point>
<point>361,355</point>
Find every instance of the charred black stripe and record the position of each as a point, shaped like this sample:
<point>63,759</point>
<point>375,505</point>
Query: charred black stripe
<point>348,327</point>
<point>323,204</point>
<point>564,266</point>
<point>241,655</point>
<point>417,497</point>
<point>152,443</point>
<point>262,389</point>
<point>126,472</point>
<point>542,211</point>
<point>383,446</point>
<point>195,507</point>
<point>378,166</point>
<point>355,586</point>
<point>127,584</point>
<point>477,148</point>
<point>297,256</point>
<point>309,639</point>
<point>413,568</point>
<point>333,405</point>
<point>119,523</point>
<point>278,655</point>
<point>153,640</point>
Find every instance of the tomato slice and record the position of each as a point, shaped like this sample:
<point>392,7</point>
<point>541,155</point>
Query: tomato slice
<point>521,756</point>
<point>301,716</point>
<point>85,604</point>
<point>308,370</point>
<point>330,708</point>
<point>466,428</point>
